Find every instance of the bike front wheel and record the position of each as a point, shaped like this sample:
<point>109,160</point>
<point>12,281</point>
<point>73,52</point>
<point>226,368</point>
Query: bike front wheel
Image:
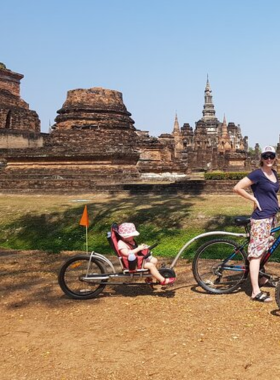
<point>80,277</point>
<point>220,266</point>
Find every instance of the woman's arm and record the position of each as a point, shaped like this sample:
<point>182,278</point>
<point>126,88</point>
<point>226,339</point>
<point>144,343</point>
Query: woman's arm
<point>240,187</point>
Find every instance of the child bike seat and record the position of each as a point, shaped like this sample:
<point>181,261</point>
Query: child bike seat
<point>113,237</point>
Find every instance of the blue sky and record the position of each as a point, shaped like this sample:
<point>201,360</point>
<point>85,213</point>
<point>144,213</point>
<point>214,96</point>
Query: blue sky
<point>156,52</point>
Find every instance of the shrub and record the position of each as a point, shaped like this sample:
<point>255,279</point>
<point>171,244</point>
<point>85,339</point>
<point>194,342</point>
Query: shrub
<point>225,175</point>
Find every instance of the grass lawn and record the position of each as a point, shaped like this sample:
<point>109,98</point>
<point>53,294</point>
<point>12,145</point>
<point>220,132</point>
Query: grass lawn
<point>51,222</point>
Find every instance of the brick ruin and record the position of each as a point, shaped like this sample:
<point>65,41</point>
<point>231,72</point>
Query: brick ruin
<point>91,142</point>
<point>19,126</point>
<point>94,142</point>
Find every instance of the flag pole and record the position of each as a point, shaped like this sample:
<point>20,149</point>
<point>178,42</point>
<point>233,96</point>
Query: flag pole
<point>85,222</point>
<point>87,239</point>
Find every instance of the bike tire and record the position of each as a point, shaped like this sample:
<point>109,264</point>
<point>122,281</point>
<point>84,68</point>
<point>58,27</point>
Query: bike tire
<point>72,277</point>
<point>277,294</point>
<point>220,266</point>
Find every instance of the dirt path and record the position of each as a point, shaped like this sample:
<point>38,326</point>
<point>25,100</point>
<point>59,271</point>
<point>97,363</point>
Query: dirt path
<point>130,332</point>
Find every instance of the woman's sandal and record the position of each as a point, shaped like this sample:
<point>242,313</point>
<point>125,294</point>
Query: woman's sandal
<point>262,297</point>
<point>168,281</point>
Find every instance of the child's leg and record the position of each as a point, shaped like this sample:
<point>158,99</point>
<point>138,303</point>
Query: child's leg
<point>153,260</point>
<point>151,265</point>
<point>153,269</point>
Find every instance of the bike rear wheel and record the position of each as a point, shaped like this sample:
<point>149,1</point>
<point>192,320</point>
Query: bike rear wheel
<point>277,294</point>
<point>79,277</point>
<point>220,266</point>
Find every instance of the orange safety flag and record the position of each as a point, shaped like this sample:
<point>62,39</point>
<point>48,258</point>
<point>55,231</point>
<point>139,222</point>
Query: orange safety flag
<point>84,219</point>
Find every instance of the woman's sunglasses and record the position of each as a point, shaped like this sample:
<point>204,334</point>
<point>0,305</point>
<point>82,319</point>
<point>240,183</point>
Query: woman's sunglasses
<point>266,156</point>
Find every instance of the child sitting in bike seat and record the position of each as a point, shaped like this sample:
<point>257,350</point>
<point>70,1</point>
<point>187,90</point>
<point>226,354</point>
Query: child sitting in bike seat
<point>127,245</point>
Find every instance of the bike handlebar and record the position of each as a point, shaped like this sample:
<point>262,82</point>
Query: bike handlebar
<point>149,250</point>
<point>152,246</point>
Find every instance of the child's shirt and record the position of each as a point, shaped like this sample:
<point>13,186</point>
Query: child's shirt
<point>124,246</point>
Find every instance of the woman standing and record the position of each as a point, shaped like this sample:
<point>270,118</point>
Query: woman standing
<point>265,185</point>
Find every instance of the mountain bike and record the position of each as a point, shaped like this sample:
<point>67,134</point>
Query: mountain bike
<point>221,265</point>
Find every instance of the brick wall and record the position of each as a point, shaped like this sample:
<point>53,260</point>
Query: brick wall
<point>57,184</point>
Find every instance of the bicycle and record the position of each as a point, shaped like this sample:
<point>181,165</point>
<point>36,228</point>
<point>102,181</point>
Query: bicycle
<point>85,276</point>
<point>221,265</point>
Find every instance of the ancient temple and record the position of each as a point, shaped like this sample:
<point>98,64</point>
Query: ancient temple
<point>94,142</point>
<point>211,145</point>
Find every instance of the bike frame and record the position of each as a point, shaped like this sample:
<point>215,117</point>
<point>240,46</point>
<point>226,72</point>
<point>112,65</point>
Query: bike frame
<point>272,248</point>
<point>264,259</point>
<point>139,273</point>
<point>212,233</point>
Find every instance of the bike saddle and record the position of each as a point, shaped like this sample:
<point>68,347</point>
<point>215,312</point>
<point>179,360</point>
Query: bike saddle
<point>242,220</point>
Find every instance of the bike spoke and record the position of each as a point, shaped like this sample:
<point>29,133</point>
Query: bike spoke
<point>81,278</point>
<point>219,266</point>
